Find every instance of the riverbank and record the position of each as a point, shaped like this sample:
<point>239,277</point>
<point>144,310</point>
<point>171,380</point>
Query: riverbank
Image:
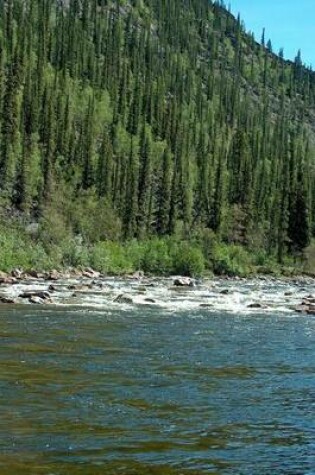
<point>89,288</point>
<point>203,254</point>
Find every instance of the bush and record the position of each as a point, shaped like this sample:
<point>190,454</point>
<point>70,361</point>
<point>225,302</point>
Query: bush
<point>188,260</point>
<point>156,257</point>
<point>18,250</point>
<point>74,253</point>
<point>111,257</point>
<point>94,219</point>
<point>231,260</point>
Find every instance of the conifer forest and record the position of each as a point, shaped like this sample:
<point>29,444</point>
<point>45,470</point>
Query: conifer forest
<point>162,121</point>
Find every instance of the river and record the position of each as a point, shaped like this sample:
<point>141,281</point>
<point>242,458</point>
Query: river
<point>144,390</point>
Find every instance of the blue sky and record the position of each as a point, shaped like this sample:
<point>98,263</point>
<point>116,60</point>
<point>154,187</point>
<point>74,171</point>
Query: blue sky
<point>289,24</point>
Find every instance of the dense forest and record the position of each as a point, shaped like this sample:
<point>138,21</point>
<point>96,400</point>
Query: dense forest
<point>151,120</point>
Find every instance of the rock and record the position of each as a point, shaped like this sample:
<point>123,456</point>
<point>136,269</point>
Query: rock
<point>300,308</point>
<point>52,288</point>
<point>288,294</point>
<point>40,294</point>
<point>4,299</point>
<point>75,272</point>
<point>90,273</point>
<point>206,305</point>
<point>53,275</point>
<point>311,310</point>
<point>308,301</point>
<point>141,289</point>
<point>98,284</point>
<point>149,300</point>
<point>80,287</point>
<point>17,273</point>
<point>137,275</point>
<point>8,280</point>
<point>184,282</point>
<point>35,274</point>
<point>36,300</point>
<point>255,305</point>
<point>225,292</point>
<point>307,305</point>
<point>123,299</point>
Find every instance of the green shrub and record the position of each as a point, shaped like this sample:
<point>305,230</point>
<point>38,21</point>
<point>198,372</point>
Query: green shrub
<point>188,260</point>
<point>74,253</point>
<point>18,250</point>
<point>111,257</point>
<point>156,257</point>
<point>231,260</point>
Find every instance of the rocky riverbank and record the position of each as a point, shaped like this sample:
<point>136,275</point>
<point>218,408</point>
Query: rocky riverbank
<point>88,288</point>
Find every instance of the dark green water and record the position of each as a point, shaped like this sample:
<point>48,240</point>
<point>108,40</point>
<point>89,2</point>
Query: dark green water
<point>85,392</point>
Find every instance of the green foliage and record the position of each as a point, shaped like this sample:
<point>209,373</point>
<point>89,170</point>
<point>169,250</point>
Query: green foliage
<point>231,260</point>
<point>139,119</point>
<point>93,219</point>
<point>111,258</point>
<point>309,263</point>
<point>156,257</point>
<point>17,249</point>
<point>188,260</point>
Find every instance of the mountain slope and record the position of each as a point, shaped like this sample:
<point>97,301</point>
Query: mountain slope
<point>153,117</point>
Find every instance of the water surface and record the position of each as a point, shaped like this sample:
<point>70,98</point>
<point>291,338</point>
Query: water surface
<point>147,391</point>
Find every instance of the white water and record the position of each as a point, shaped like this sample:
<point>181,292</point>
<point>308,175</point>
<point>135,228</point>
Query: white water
<point>234,296</point>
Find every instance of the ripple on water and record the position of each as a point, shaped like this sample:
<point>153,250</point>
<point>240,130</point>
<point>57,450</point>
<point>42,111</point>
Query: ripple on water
<point>156,392</point>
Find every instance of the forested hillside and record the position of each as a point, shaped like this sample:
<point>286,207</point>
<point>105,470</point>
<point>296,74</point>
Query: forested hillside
<point>152,118</point>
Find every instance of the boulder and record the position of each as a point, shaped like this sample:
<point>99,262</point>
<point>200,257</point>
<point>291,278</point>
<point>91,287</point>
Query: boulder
<point>308,301</point>
<point>224,292</point>
<point>8,280</point>
<point>53,288</point>
<point>300,308</point>
<point>138,275</point>
<point>141,289</point>
<point>34,274</point>
<point>4,299</point>
<point>307,305</point>
<point>98,284</point>
<point>123,299</point>
<point>75,272</point>
<point>53,275</point>
<point>255,305</point>
<point>149,300</point>
<point>36,300</point>
<point>184,282</point>
<point>80,287</point>
<point>17,273</point>
<point>39,294</point>
<point>90,273</point>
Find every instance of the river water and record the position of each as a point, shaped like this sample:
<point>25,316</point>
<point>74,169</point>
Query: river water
<point>154,391</point>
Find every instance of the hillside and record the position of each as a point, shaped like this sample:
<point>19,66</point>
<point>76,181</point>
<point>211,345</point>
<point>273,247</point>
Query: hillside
<point>151,118</point>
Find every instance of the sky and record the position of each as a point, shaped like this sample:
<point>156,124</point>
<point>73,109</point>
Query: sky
<point>289,24</point>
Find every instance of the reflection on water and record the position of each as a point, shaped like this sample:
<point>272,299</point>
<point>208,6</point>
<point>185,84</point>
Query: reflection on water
<point>145,392</point>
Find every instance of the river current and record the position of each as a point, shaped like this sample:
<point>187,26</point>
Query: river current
<point>144,390</point>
